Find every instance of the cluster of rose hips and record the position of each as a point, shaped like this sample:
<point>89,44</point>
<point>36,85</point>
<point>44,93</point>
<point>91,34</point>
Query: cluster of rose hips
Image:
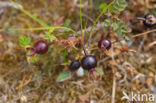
<point>88,62</point>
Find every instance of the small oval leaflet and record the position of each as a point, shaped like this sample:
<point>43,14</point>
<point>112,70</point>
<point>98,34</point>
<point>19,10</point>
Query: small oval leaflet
<point>63,76</point>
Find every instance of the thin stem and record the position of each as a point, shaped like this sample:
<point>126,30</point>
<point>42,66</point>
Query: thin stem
<point>100,75</point>
<point>81,19</point>
<point>84,49</point>
<point>113,89</point>
<point>62,27</point>
<point>30,15</point>
<point>140,34</point>
<point>51,43</point>
<point>47,28</point>
<point>103,11</point>
<point>28,47</point>
<point>139,18</point>
<point>31,53</point>
<point>94,74</point>
<point>89,75</point>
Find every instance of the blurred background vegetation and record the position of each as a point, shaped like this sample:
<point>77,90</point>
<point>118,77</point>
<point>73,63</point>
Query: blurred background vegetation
<point>23,80</point>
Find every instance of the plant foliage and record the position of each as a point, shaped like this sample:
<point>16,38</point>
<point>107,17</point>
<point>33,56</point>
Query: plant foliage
<point>118,6</point>
<point>118,26</point>
<point>24,41</point>
<point>63,76</point>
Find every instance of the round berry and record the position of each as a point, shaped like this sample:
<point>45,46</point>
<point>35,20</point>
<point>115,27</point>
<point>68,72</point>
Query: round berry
<point>88,62</point>
<point>104,43</point>
<point>41,47</point>
<point>74,65</point>
<point>150,20</point>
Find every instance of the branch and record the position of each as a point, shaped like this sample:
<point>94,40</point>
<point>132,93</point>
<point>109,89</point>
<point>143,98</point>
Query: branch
<point>141,34</point>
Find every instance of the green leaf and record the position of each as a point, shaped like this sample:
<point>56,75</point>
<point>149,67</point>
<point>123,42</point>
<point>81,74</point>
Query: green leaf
<point>118,6</point>
<point>48,36</point>
<point>99,70</point>
<point>111,8</point>
<point>102,6</point>
<point>24,41</point>
<point>34,59</point>
<point>67,22</point>
<point>51,30</point>
<point>6,25</point>
<point>85,72</point>
<point>153,11</point>
<point>106,23</point>
<point>97,4</point>
<point>118,26</point>
<point>63,76</point>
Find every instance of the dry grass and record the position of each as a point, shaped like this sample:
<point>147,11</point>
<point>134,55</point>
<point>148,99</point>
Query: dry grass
<point>132,71</point>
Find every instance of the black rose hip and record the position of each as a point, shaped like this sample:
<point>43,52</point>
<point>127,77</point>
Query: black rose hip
<point>149,20</point>
<point>89,63</point>
<point>104,43</point>
<point>40,47</point>
<point>74,65</point>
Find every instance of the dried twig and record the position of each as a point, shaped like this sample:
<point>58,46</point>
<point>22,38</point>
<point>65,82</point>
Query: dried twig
<point>137,35</point>
<point>141,44</point>
<point>119,67</point>
<point>113,88</point>
<point>151,44</point>
<point>144,33</point>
